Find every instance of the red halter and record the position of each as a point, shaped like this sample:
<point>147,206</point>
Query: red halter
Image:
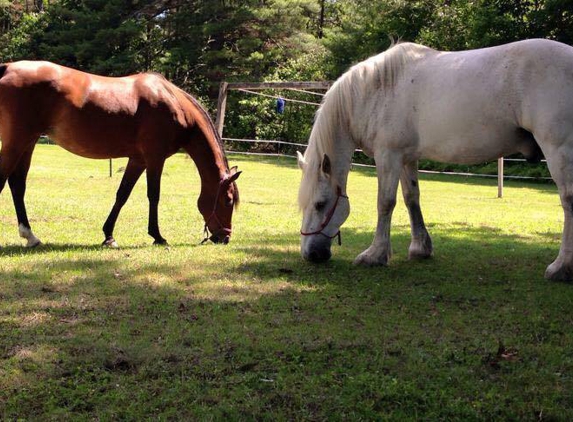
<point>327,219</point>
<point>213,214</point>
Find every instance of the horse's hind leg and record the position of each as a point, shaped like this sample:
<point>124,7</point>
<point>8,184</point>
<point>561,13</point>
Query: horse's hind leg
<point>133,170</point>
<point>15,160</point>
<point>421,244</point>
<point>17,182</point>
<point>560,163</point>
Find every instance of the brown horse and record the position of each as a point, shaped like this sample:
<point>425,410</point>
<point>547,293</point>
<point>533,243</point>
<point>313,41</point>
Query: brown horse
<point>143,117</point>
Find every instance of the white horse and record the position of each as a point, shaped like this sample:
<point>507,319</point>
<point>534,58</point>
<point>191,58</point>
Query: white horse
<point>414,102</point>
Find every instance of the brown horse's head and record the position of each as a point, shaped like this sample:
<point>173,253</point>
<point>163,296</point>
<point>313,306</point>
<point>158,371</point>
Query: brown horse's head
<point>216,203</point>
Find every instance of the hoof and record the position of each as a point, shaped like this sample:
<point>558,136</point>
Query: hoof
<point>110,243</point>
<point>32,243</point>
<point>161,242</point>
<point>559,272</point>
<point>26,233</point>
<point>420,250</point>
<point>369,259</point>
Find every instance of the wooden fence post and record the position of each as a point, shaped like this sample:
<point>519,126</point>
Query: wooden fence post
<point>500,177</point>
<point>221,106</point>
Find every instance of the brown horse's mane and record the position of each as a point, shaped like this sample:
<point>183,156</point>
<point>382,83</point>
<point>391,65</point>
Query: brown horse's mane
<point>207,118</point>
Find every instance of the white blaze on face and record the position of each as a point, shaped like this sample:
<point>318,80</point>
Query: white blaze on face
<point>27,234</point>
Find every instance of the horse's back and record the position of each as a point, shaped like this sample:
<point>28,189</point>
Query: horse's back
<point>472,105</point>
<point>90,115</point>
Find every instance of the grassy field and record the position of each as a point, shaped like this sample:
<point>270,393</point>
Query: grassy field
<point>249,331</point>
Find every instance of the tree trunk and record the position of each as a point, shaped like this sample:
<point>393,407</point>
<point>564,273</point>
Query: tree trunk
<point>321,20</point>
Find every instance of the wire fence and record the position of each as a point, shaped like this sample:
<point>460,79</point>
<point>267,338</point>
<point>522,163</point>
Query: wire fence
<point>280,148</point>
<point>356,164</point>
<point>278,153</point>
<point>291,146</point>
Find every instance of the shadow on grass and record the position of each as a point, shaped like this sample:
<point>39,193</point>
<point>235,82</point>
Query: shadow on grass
<point>95,337</point>
<point>458,255</point>
<point>46,248</point>
<point>474,246</point>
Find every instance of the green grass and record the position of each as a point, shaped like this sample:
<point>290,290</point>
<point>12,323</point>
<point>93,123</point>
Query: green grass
<point>249,331</point>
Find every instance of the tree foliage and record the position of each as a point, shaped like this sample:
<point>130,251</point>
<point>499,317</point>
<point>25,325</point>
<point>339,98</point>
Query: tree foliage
<point>199,43</point>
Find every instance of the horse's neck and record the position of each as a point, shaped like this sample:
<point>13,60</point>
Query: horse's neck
<point>333,135</point>
<point>342,165</point>
<point>343,149</point>
<point>208,155</point>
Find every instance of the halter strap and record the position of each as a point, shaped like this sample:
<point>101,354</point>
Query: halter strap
<point>327,219</point>
<point>213,215</point>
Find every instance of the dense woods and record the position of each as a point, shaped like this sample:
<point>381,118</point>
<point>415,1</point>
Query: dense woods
<point>199,43</point>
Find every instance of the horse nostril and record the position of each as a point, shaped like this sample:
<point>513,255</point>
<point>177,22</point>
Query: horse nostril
<point>319,255</point>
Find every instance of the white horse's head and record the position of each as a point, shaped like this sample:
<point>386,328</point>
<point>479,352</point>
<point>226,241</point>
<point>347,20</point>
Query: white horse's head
<point>324,205</point>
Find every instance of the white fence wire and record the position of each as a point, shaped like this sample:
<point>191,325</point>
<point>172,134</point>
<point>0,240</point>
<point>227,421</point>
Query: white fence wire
<point>450,173</point>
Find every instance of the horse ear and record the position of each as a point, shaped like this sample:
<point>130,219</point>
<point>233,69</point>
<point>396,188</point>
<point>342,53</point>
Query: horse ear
<point>300,158</point>
<point>233,170</point>
<point>326,167</point>
<point>234,176</point>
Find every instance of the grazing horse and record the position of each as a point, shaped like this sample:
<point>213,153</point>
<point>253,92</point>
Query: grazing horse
<point>143,117</point>
<point>413,102</point>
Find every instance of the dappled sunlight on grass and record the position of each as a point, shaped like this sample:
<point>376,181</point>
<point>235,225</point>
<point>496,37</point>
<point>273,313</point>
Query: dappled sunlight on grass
<point>22,363</point>
<point>34,319</point>
<point>191,331</point>
<point>246,290</point>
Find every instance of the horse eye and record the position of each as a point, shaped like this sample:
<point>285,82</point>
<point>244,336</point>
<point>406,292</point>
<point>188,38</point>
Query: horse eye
<point>319,206</point>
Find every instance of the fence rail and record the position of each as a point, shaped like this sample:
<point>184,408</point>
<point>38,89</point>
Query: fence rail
<point>253,88</point>
<point>500,175</point>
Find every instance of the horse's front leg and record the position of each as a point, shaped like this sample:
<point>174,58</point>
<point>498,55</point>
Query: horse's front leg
<point>421,244</point>
<point>154,172</point>
<point>388,167</point>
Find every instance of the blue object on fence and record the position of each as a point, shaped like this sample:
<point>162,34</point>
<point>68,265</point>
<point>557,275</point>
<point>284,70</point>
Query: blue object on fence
<point>280,105</point>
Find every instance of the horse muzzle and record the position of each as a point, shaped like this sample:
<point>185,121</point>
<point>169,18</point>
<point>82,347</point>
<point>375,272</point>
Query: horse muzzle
<point>220,238</point>
<point>316,249</point>
<point>318,256</point>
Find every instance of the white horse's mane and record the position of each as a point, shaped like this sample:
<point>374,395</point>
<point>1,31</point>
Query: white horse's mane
<point>380,72</point>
